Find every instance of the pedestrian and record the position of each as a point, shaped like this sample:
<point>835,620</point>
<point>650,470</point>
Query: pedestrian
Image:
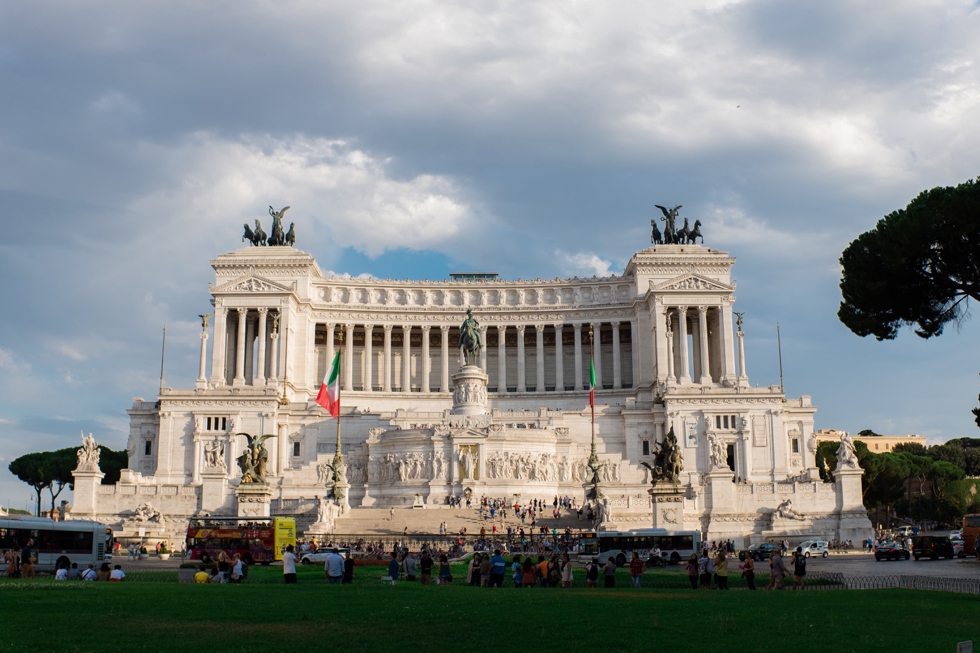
<point>348,569</point>
<point>445,571</point>
<point>592,573</point>
<point>27,560</point>
<point>485,567</point>
<point>692,571</point>
<point>748,572</point>
<point>237,569</point>
<point>289,566</point>
<point>517,572</point>
<point>609,571</point>
<point>779,570</point>
<point>333,567</point>
<point>223,566</point>
<point>473,570</point>
<point>542,572</point>
<point>12,558</point>
<point>425,567</point>
<point>636,570</point>
<point>703,571</point>
<point>566,572</point>
<point>799,568</point>
<point>721,571</point>
<point>409,563</point>
<point>393,567</point>
<point>498,567</point>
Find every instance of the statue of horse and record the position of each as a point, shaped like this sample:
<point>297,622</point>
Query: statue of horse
<point>670,223</point>
<point>695,233</point>
<point>655,237</point>
<point>291,234</point>
<point>259,237</point>
<point>681,236</point>
<point>470,341</point>
<point>249,235</point>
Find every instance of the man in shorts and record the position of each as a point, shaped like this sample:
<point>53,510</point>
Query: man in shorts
<point>799,568</point>
<point>779,570</point>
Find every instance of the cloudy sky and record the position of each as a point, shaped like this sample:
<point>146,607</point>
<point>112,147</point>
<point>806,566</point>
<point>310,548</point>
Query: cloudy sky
<point>414,138</point>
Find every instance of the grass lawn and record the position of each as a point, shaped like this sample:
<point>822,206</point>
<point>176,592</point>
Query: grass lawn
<point>265,616</point>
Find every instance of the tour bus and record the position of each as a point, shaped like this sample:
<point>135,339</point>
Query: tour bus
<point>57,543</point>
<point>971,529</point>
<point>620,545</point>
<point>256,539</point>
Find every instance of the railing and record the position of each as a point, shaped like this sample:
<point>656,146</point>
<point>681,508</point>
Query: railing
<point>932,583</point>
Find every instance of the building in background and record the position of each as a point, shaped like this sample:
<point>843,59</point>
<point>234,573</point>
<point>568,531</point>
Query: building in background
<point>875,443</point>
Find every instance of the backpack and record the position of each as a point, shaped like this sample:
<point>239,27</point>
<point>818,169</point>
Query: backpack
<point>593,572</point>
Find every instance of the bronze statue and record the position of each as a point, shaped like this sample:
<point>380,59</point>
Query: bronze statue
<point>655,238</point>
<point>249,235</point>
<point>695,233</point>
<point>204,321</point>
<point>670,226</point>
<point>470,341</point>
<point>258,236</point>
<point>682,233</point>
<point>291,234</point>
<point>668,462</point>
<point>254,459</point>
<point>278,238</point>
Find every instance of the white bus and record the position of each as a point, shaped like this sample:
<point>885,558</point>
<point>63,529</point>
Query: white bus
<point>57,543</point>
<point>675,546</point>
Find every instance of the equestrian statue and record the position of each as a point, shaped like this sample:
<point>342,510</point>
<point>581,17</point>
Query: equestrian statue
<point>470,342</point>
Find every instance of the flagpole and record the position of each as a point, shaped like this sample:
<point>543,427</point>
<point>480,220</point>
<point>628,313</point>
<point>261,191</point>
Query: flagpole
<point>340,375</point>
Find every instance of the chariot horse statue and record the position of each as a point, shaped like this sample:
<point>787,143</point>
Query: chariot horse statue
<point>670,223</point>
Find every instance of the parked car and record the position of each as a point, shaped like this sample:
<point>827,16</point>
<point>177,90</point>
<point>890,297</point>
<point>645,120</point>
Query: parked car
<point>759,552</point>
<point>958,546</point>
<point>319,557</point>
<point>932,545</point>
<point>814,548</point>
<point>891,551</point>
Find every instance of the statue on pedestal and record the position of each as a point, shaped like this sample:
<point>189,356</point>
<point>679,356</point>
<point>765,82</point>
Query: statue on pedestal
<point>668,462</point>
<point>254,460</point>
<point>846,456</point>
<point>470,342</point>
<point>88,455</point>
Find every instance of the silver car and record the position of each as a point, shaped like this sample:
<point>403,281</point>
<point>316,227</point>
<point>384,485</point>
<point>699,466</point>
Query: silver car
<point>814,548</point>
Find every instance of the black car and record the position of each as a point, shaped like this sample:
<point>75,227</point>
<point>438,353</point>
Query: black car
<point>759,552</point>
<point>931,545</point>
<point>890,551</point>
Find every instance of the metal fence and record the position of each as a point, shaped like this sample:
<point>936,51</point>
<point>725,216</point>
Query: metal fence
<point>909,582</point>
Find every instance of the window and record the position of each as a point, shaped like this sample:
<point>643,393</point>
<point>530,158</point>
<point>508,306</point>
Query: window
<point>216,423</point>
<point>717,421</point>
<point>796,445</point>
<point>296,448</point>
<point>725,421</point>
<point>646,447</point>
<point>148,448</point>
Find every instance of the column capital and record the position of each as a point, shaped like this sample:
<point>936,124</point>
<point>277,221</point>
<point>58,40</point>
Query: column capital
<point>615,324</point>
<point>426,328</point>
<point>702,309</point>
<point>406,328</point>
<point>501,328</point>
<point>242,311</point>
<point>262,311</point>
<point>349,326</point>
<point>558,327</point>
<point>204,335</point>
<point>388,327</point>
<point>368,327</point>
<point>681,309</point>
<point>539,328</point>
<point>274,335</point>
<point>520,327</point>
<point>445,328</point>
<point>331,325</point>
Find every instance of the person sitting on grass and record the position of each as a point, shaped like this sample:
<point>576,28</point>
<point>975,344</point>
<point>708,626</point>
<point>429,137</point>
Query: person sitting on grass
<point>393,567</point>
<point>202,577</point>
<point>61,573</point>
<point>89,573</point>
<point>73,573</point>
<point>237,569</point>
<point>104,573</point>
<point>117,575</point>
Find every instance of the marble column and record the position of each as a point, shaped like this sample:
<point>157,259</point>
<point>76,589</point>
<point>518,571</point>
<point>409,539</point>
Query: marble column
<point>444,381</point>
<point>521,360</point>
<point>201,379</point>
<point>743,378</point>
<point>218,347</point>
<point>559,361</point>
<point>685,376</point>
<point>597,353</point>
<point>249,350</point>
<point>386,374</point>
<point>407,358</point>
<point>274,367</point>
<point>671,378</point>
<point>501,359</point>
<point>728,372</point>
<point>577,330</point>
<point>367,379</point>
<point>426,363</point>
<point>617,359</point>
<point>260,371</point>
<point>539,358</point>
<point>703,334</point>
<point>348,357</point>
<point>283,448</point>
<point>328,348</point>
<point>483,350</point>
<point>240,349</point>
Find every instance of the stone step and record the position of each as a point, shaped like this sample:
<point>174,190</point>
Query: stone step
<point>419,521</point>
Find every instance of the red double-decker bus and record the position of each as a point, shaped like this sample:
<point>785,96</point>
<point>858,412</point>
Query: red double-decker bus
<point>257,540</point>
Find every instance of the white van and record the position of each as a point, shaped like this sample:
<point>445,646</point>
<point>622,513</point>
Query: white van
<point>814,548</point>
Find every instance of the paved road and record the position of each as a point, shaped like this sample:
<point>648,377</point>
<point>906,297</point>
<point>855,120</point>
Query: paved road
<point>864,564</point>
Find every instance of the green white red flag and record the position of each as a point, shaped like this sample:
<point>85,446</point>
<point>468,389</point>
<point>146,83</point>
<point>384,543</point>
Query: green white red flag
<point>329,395</point>
<point>591,381</point>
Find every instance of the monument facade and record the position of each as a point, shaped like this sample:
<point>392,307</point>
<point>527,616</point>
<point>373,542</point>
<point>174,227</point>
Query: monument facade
<point>505,415</point>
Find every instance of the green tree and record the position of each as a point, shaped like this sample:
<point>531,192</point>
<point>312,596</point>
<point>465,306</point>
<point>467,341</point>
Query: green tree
<point>58,466</point>
<point>913,448</point>
<point>111,463</point>
<point>826,459</point>
<point>30,469</point>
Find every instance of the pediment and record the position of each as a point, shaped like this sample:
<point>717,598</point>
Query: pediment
<point>692,282</point>
<point>252,283</point>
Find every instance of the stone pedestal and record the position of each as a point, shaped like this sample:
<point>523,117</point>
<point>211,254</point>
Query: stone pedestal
<point>854,523</point>
<point>419,501</point>
<point>721,491</point>
<point>213,490</point>
<point>668,506</point>
<point>87,483</point>
<point>254,500</point>
<point>470,391</point>
<point>341,492</point>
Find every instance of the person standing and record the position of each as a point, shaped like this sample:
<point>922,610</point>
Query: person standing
<point>485,568</point>
<point>748,572</point>
<point>289,566</point>
<point>703,572</point>
<point>27,560</point>
<point>498,567</point>
<point>425,567</point>
<point>393,567</point>
<point>409,563</point>
<point>566,572</point>
<point>609,572</point>
<point>517,571</point>
<point>592,573</point>
<point>721,570</point>
<point>333,567</point>
<point>348,569</point>
<point>636,570</point>
<point>445,571</point>
<point>693,571</point>
<point>779,570</point>
<point>799,568</point>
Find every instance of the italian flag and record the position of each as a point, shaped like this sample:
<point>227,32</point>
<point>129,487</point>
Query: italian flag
<point>329,395</point>
<point>592,382</point>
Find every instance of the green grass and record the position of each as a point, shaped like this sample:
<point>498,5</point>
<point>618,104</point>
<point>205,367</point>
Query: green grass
<point>265,616</point>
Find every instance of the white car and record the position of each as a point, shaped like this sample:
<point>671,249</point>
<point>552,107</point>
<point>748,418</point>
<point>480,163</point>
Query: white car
<point>814,548</point>
<point>957,542</point>
<point>319,557</point>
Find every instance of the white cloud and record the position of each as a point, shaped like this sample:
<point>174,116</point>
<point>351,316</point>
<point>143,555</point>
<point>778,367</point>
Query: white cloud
<point>584,263</point>
<point>10,362</point>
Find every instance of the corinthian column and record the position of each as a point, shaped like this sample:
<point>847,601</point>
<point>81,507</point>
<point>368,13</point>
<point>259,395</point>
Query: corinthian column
<point>483,349</point>
<point>577,330</point>
<point>386,375</point>
<point>539,358</point>
<point>521,362</point>
<point>407,358</point>
<point>260,371</point>
<point>502,358</point>
<point>240,349</point>
<point>425,358</point>
<point>597,354</point>
<point>703,334</point>
<point>617,359</point>
<point>218,348</point>
<point>368,380</point>
<point>685,376</point>
<point>348,357</point>
<point>201,379</point>
<point>559,361</point>
<point>444,381</point>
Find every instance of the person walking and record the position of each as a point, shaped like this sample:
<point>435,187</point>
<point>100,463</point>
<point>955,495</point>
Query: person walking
<point>721,570</point>
<point>779,570</point>
<point>799,568</point>
<point>693,571</point>
<point>748,572</point>
<point>636,570</point>
<point>289,566</point>
<point>566,572</point>
<point>517,571</point>
<point>609,572</point>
